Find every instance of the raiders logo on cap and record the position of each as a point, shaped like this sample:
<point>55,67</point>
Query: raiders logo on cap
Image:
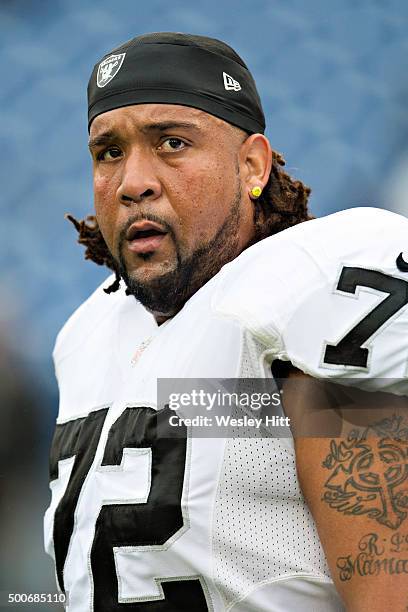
<point>109,68</point>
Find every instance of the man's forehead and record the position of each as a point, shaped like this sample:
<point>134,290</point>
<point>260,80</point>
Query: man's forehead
<point>142,115</point>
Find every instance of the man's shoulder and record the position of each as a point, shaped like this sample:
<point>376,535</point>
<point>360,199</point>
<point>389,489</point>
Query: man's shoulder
<point>270,281</point>
<point>320,241</point>
<point>87,318</point>
<point>330,294</point>
<point>349,228</point>
<point>342,230</point>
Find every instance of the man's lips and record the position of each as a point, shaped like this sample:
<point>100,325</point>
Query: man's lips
<point>145,236</point>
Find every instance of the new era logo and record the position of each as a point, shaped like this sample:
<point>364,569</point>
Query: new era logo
<point>230,84</point>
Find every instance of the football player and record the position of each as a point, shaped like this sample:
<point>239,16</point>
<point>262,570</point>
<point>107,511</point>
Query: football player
<point>219,273</point>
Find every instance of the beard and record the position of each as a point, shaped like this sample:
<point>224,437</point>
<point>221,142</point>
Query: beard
<point>167,294</point>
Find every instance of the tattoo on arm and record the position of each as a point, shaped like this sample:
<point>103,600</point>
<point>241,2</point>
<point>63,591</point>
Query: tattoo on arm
<point>375,556</point>
<point>369,475</point>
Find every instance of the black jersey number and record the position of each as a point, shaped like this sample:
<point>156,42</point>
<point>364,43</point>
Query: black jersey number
<point>349,351</point>
<point>142,524</point>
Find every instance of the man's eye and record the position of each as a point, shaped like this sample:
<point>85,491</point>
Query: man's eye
<point>172,144</point>
<point>109,154</point>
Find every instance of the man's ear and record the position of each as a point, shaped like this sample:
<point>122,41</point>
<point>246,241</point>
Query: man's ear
<point>256,161</point>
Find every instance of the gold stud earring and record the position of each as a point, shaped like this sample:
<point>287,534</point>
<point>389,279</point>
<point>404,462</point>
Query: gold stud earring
<point>256,191</point>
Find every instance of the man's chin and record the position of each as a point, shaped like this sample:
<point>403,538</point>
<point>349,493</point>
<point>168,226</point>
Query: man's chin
<point>148,271</point>
<point>154,286</point>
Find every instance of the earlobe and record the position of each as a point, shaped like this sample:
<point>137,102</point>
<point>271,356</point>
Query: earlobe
<point>258,160</point>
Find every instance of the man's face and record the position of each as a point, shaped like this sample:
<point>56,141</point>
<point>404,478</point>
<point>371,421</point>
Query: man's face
<point>168,198</point>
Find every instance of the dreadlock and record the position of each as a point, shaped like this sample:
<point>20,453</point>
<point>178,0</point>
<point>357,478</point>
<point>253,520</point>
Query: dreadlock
<point>96,250</point>
<point>283,203</point>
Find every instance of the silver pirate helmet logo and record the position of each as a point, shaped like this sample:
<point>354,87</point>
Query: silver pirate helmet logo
<point>109,68</point>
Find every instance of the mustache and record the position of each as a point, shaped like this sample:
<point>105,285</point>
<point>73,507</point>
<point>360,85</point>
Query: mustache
<point>144,217</point>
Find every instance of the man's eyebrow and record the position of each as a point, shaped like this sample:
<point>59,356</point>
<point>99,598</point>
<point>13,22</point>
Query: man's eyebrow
<point>102,139</point>
<point>162,126</point>
<point>109,136</point>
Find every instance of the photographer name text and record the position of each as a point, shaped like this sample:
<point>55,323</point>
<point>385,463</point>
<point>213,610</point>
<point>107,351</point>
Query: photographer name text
<point>229,421</point>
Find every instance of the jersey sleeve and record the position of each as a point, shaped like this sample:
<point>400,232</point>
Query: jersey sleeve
<point>80,324</point>
<point>80,349</point>
<point>329,296</point>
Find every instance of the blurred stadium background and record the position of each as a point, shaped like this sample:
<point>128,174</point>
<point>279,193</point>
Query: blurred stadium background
<point>333,80</point>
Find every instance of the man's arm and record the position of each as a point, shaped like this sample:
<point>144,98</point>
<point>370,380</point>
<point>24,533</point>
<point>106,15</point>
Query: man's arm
<point>352,464</point>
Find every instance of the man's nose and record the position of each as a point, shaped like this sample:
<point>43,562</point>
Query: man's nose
<point>139,181</point>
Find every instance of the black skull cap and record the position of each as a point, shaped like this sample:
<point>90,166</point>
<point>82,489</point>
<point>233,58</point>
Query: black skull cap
<point>176,68</point>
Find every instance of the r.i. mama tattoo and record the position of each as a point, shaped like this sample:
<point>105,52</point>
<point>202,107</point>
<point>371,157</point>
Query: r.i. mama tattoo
<point>374,557</point>
<point>369,473</point>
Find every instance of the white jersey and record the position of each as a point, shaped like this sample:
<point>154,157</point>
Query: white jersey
<point>217,524</point>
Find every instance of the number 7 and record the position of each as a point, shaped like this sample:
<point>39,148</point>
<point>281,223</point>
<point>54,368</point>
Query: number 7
<point>349,351</point>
